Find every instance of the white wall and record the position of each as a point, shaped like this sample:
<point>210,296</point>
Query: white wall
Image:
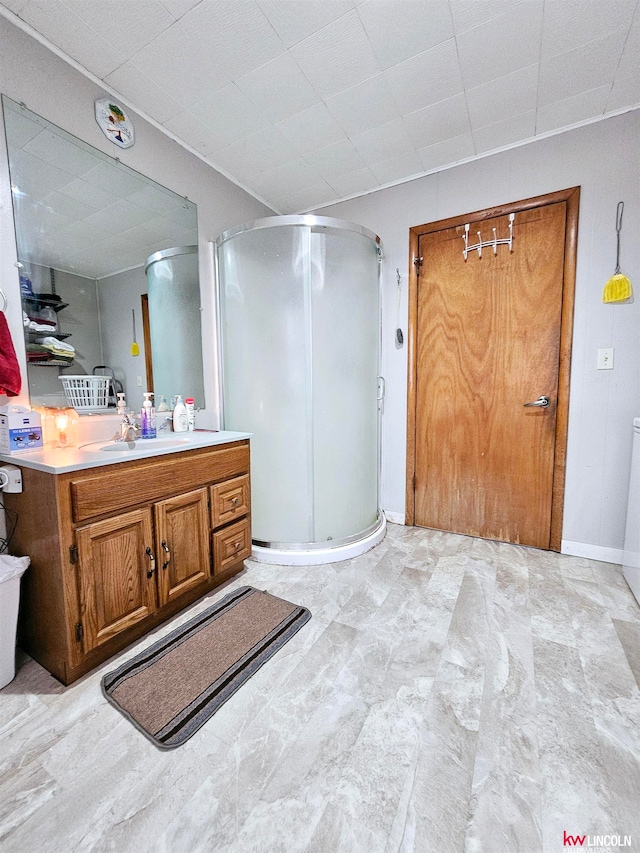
<point>31,74</point>
<point>603,160</point>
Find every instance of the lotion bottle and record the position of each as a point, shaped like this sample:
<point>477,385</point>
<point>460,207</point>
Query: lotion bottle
<point>180,416</point>
<point>148,417</point>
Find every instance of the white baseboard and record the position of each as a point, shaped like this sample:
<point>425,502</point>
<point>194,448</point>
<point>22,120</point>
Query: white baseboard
<point>394,517</point>
<point>592,552</point>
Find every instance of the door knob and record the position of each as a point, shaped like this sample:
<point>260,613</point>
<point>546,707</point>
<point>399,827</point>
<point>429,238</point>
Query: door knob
<point>541,401</point>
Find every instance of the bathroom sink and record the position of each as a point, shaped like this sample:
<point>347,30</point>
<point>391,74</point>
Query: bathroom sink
<point>148,444</point>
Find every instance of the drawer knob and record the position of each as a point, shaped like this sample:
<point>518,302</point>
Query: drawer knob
<point>238,546</point>
<point>235,501</point>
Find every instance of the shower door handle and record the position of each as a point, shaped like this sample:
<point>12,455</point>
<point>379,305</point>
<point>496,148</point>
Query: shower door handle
<point>382,388</point>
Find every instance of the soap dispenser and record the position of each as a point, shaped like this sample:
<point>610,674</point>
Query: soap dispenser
<point>147,417</point>
<point>122,406</point>
<point>180,416</point>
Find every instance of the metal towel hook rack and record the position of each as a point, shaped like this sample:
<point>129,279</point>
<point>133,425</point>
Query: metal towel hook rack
<point>480,245</point>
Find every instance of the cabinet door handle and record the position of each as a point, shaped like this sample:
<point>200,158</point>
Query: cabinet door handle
<point>152,563</point>
<point>235,501</point>
<point>168,555</point>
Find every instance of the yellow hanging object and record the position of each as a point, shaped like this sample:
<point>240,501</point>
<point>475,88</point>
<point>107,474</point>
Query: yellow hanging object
<point>135,349</point>
<point>618,288</point>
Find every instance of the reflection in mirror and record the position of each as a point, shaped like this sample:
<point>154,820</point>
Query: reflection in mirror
<point>86,227</point>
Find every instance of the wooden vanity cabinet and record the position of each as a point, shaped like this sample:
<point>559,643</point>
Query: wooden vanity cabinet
<point>116,550</point>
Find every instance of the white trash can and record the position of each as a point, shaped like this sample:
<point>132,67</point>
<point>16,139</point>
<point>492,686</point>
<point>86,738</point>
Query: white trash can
<point>11,570</point>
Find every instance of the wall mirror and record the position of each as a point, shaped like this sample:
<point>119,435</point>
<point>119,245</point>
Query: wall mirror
<point>107,250</point>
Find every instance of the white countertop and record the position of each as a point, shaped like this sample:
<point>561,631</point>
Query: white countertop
<point>90,455</point>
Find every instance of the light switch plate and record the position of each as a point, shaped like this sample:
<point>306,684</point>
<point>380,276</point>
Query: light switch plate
<point>605,359</point>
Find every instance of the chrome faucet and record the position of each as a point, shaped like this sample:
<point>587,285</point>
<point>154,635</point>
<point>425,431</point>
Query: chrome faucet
<point>128,428</point>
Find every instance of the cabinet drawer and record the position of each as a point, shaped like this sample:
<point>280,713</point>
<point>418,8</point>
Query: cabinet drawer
<point>231,545</point>
<point>131,484</point>
<point>230,500</point>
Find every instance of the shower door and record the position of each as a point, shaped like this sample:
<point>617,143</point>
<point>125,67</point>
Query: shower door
<point>300,330</point>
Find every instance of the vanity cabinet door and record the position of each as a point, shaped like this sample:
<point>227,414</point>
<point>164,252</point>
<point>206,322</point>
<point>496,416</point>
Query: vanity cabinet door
<point>117,575</point>
<point>182,543</point>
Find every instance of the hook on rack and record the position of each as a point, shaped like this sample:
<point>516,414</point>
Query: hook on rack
<point>477,247</point>
<point>5,304</point>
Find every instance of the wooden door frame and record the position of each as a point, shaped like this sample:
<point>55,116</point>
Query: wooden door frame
<point>572,198</point>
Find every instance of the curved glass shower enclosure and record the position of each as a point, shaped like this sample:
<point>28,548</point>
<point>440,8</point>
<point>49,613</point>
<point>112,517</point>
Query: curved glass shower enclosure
<point>174,323</point>
<point>300,340</point>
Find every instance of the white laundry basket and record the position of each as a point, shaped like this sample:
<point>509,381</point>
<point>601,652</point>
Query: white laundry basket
<point>86,393</point>
<point>11,570</point>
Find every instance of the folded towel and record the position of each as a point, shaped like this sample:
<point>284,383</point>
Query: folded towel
<point>10,379</point>
<point>51,342</point>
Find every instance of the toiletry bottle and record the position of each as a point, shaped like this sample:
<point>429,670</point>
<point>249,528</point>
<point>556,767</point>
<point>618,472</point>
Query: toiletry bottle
<point>122,406</point>
<point>148,417</point>
<point>180,416</point>
<point>191,412</point>
<point>162,406</point>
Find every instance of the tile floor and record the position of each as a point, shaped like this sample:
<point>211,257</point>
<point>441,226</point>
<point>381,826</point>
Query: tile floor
<point>449,694</point>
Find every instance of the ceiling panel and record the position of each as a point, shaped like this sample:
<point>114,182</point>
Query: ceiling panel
<point>338,56</point>
<point>400,29</point>
<point>376,90</point>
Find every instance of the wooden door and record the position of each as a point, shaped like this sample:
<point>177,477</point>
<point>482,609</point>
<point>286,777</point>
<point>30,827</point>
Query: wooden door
<point>182,537</point>
<point>488,339</point>
<point>117,583</point>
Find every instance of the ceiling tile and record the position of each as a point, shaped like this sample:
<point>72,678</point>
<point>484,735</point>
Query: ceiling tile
<point>507,96</point>
<point>192,131</point>
<point>625,90</point>
<point>230,114</point>
<point>427,78</point>
<point>267,148</point>
<point>119,216</point>
<point>127,26</point>
<point>571,23</point>
<point>64,154</point>
<point>178,8</point>
<point>506,132</point>
<point>173,62</point>
<point>220,27</point>
<point>117,182</point>
<point>141,90</point>
<point>400,29</point>
<point>56,22</point>
<point>279,88</point>
<point>364,106</point>
<point>20,128</point>
<point>502,45</point>
<point>581,69</point>
<point>398,168</point>
<point>438,122</point>
<point>450,151</point>
<point>294,21</point>
<point>336,159</point>
<point>572,110</point>
<point>308,198</point>
<point>67,206</point>
<point>155,198</point>
<point>311,129</point>
<point>234,164</point>
<point>468,14</point>
<point>34,177</point>
<point>337,57</point>
<point>87,193</point>
<point>354,182</point>
<point>383,142</point>
<point>15,5</point>
<point>290,177</point>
